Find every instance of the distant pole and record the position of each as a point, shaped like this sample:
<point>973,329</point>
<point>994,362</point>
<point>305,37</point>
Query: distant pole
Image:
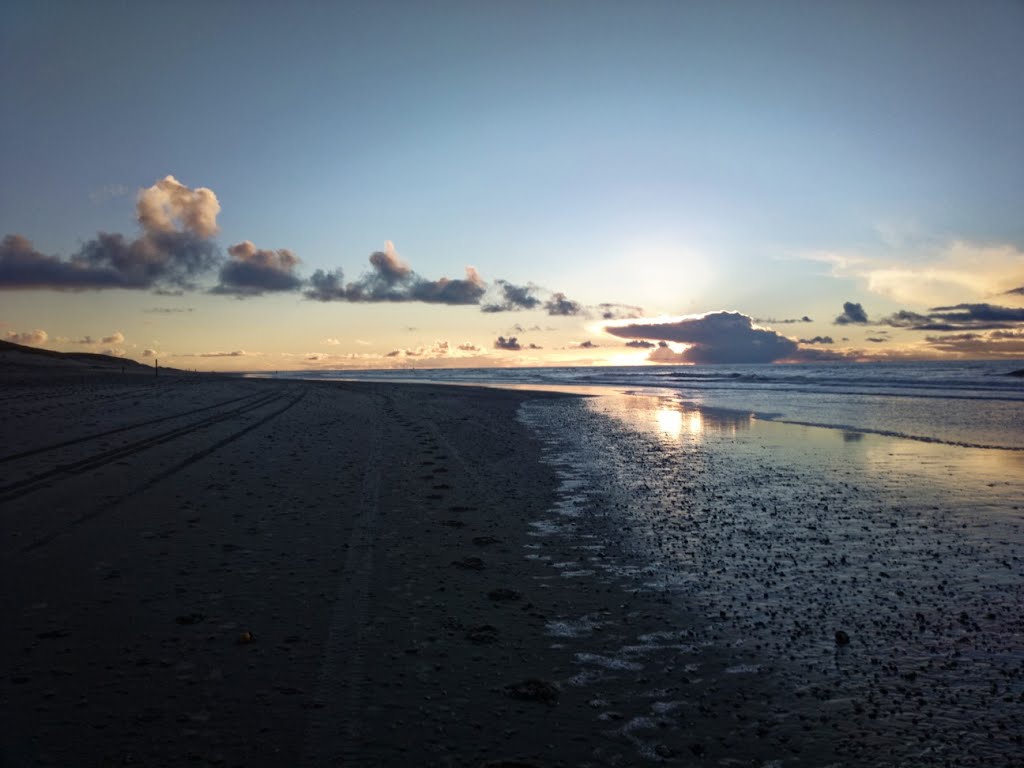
<point>156,366</point>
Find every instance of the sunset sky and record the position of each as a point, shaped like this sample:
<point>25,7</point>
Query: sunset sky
<point>254,186</point>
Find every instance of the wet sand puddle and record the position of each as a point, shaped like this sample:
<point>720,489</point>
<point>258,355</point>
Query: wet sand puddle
<point>777,595</point>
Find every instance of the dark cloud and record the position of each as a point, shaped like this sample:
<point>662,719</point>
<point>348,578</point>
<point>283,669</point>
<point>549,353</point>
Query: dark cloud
<point>391,279</point>
<point>254,271</point>
<point>445,291</point>
<point>619,311</point>
<point>560,305</point>
<point>1014,292</point>
<point>717,337</point>
<point>852,314</point>
<point>789,321</point>
<point>588,344</point>
<point>513,297</point>
<point>166,310</point>
<point>978,314</point>
<point>905,319</point>
<point>877,339</point>
<point>957,317</point>
<point>31,338</point>
<point>327,286</point>
<point>175,248</point>
<point>511,343</point>
<point>640,344</point>
<point>1001,343</point>
<point>818,340</point>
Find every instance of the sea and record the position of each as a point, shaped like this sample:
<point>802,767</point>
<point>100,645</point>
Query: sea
<point>967,403</point>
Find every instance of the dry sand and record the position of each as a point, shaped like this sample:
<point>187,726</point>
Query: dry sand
<point>220,571</point>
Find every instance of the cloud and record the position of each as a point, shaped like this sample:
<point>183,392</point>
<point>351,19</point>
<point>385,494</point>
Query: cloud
<point>788,321</point>
<point>85,340</point>
<point>170,206</point>
<point>149,353</point>
<point>391,279</point>
<point>588,344</point>
<point>715,337</point>
<point>853,313</point>
<point>511,343</point>
<point>641,344</point>
<point>1014,292</point>
<point>445,291</point>
<point>115,338</point>
<point>991,344</point>
<point>166,310</point>
<point>818,340</point>
<point>957,317</point>
<point>935,275</point>
<point>254,271</point>
<point>35,338</point>
<point>978,314</point>
<point>332,342</point>
<point>877,339</point>
<point>513,297</point>
<point>236,353</point>
<point>174,250</point>
<point>619,311</point>
<point>560,305</point>
<point>439,349</point>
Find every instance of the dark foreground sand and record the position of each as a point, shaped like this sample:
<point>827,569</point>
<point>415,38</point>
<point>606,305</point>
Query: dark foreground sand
<point>220,571</point>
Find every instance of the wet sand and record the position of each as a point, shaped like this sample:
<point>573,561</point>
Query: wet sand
<point>221,571</point>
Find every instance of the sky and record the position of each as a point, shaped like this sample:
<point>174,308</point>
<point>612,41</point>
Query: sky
<point>255,186</point>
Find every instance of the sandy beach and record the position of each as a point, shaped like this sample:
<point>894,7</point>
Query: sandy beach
<point>214,570</point>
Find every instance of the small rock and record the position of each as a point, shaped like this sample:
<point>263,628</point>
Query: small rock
<point>842,638</point>
<point>245,638</point>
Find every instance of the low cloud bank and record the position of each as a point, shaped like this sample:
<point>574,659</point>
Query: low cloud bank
<point>715,337</point>
<point>35,338</point>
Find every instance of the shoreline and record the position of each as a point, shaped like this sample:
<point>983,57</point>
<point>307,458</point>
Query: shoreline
<point>254,572</point>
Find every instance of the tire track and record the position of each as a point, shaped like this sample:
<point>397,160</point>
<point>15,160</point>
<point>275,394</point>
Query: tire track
<point>116,430</point>
<point>335,730</point>
<point>192,459</point>
<point>27,485</point>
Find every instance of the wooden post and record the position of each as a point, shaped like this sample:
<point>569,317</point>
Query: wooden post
<point>156,366</point>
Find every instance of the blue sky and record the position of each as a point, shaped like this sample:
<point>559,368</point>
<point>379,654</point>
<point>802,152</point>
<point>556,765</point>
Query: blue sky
<point>768,158</point>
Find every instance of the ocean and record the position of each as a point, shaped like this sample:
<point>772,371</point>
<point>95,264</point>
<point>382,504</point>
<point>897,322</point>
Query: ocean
<point>967,403</point>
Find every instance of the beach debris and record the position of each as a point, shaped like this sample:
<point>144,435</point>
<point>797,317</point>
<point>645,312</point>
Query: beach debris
<point>503,594</point>
<point>189,618</point>
<point>483,634</point>
<point>842,638</point>
<point>245,638</point>
<point>534,690</point>
<point>469,563</point>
